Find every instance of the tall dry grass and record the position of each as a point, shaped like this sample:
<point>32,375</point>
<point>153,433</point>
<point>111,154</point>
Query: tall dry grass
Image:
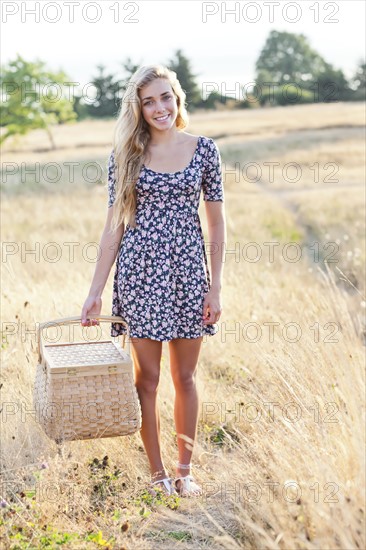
<point>280,443</point>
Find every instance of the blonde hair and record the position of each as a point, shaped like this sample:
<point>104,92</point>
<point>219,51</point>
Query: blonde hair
<point>131,137</point>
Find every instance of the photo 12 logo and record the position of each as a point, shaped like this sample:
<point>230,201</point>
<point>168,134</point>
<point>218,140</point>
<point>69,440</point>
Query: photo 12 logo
<point>70,12</point>
<point>270,12</point>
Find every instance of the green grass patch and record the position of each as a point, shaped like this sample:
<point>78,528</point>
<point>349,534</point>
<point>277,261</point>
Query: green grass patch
<point>283,231</point>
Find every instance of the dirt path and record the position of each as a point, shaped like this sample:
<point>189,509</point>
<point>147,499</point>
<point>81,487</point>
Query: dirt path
<point>281,196</point>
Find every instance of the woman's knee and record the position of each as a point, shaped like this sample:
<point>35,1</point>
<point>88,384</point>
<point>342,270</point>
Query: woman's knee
<point>184,380</point>
<point>147,383</point>
<point>146,359</point>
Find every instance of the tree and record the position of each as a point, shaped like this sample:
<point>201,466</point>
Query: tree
<point>359,78</point>
<point>33,97</point>
<point>129,68</point>
<point>358,82</point>
<point>181,65</point>
<point>332,85</point>
<point>106,102</point>
<point>110,89</point>
<point>288,58</point>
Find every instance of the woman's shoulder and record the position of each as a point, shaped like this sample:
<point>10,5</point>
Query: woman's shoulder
<point>196,138</point>
<point>208,146</point>
<point>209,141</point>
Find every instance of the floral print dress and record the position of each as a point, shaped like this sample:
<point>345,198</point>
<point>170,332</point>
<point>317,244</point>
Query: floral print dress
<point>161,270</point>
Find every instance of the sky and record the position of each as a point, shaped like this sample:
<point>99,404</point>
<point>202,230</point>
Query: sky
<point>76,36</point>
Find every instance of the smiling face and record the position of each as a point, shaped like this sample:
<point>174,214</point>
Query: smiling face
<point>158,104</point>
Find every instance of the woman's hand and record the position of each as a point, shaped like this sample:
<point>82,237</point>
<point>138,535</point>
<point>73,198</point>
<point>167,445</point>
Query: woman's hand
<point>92,307</point>
<point>211,307</point>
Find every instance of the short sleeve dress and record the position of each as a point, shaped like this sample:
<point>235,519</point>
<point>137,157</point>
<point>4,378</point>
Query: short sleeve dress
<point>161,269</point>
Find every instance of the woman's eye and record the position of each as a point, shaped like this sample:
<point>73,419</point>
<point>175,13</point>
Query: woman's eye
<point>165,97</point>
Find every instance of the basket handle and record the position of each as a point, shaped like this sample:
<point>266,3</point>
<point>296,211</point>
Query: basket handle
<point>77,320</point>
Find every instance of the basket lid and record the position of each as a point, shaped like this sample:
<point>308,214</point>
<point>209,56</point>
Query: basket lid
<point>60,357</point>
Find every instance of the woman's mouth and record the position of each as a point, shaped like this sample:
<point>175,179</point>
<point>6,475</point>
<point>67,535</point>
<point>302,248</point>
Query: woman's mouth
<point>162,118</point>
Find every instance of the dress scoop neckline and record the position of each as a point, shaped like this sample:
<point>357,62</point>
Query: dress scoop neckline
<point>178,171</point>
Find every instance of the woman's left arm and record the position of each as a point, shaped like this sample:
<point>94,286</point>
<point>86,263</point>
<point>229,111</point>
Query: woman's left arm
<point>216,222</point>
<point>213,196</point>
<point>217,245</point>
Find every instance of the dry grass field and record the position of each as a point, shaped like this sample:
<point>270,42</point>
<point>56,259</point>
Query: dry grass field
<point>280,450</point>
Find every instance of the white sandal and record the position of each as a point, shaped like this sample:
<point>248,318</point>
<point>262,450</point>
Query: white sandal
<point>168,484</point>
<point>188,486</point>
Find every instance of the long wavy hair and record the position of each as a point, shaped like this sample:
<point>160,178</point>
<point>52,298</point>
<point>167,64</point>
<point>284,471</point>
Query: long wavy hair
<point>131,136</point>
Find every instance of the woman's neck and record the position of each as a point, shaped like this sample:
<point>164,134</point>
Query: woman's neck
<point>164,137</point>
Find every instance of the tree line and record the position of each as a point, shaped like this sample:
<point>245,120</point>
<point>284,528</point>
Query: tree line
<point>288,71</point>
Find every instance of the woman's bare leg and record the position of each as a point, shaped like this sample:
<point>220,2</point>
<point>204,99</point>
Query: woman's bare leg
<point>184,354</point>
<point>146,354</point>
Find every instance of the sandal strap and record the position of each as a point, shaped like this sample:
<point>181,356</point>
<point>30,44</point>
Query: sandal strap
<point>184,466</point>
<point>158,472</point>
<point>168,484</point>
<point>185,485</point>
<point>188,478</point>
<point>166,479</point>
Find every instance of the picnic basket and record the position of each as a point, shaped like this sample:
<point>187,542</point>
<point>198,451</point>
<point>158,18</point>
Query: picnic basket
<point>85,390</point>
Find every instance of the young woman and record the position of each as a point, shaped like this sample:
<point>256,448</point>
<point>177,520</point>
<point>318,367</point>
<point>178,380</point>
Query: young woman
<point>162,284</point>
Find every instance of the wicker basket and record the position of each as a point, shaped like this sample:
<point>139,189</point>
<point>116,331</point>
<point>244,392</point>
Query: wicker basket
<point>85,390</point>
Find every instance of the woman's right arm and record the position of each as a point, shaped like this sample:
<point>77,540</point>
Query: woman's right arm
<point>109,246</point>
